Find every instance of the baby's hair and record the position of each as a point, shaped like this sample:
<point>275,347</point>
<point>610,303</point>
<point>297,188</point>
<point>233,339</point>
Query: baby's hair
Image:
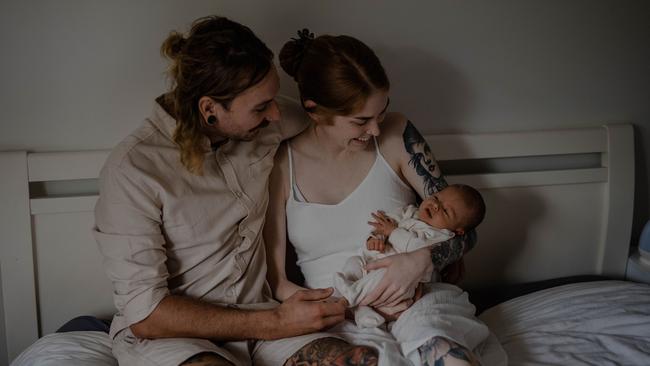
<point>474,202</point>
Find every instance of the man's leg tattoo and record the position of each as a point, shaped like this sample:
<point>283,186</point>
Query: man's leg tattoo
<point>333,352</point>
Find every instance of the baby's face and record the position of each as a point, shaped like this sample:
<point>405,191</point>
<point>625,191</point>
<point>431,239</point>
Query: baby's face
<point>444,210</point>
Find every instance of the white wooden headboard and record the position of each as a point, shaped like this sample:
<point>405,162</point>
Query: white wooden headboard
<point>559,203</point>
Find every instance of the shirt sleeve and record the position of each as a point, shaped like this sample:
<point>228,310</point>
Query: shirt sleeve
<point>127,231</point>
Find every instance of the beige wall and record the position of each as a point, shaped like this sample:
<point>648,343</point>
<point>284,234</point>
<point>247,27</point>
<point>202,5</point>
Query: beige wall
<point>80,74</point>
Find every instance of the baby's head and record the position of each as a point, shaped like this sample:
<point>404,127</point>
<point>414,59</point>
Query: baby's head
<point>458,208</point>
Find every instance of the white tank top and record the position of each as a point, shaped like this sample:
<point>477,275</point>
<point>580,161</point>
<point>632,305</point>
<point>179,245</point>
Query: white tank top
<point>325,236</point>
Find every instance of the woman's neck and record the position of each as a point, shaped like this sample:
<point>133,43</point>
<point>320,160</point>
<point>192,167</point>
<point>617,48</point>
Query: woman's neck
<point>327,147</point>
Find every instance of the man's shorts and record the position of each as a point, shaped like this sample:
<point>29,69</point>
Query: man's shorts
<point>130,350</point>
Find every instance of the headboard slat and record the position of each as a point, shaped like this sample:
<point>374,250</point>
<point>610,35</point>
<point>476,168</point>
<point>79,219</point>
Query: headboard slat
<point>531,179</point>
<point>51,205</point>
<point>517,144</point>
<point>45,167</point>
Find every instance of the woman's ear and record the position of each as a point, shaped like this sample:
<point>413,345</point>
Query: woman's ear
<point>310,106</point>
<point>460,231</point>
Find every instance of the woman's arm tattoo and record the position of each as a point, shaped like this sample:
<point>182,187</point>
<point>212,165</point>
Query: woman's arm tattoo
<point>422,160</point>
<point>448,252</point>
<point>425,165</point>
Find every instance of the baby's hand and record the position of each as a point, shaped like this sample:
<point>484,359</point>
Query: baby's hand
<point>376,244</point>
<point>384,224</point>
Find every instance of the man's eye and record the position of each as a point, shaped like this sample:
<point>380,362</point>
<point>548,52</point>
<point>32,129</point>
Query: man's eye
<point>262,109</point>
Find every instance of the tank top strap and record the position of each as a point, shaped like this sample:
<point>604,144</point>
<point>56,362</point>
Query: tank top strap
<point>290,169</point>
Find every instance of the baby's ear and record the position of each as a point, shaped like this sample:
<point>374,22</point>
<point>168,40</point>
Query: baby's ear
<point>460,231</point>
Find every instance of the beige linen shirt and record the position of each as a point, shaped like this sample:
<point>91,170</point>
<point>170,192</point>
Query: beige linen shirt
<point>163,230</point>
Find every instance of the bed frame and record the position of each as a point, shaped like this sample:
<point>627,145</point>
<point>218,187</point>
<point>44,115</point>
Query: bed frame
<point>559,204</point>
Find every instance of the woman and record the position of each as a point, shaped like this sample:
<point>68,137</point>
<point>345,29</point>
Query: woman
<point>328,179</point>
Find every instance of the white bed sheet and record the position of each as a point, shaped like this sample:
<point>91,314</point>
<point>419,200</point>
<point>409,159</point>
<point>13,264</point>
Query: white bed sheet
<point>71,348</point>
<point>593,323</point>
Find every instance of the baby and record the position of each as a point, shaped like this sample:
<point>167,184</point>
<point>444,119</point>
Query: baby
<point>452,211</point>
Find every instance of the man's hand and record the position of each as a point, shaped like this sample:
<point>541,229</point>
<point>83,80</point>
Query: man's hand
<point>308,311</point>
<point>383,225</point>
<point>378,244</point>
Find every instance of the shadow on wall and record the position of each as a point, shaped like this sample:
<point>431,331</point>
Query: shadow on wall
<point>502,236</point>
<point>641,185</point>
<point>428,90</point>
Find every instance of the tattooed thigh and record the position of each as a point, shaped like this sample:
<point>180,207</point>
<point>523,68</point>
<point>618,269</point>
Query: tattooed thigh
<point>334,352</point>
<point>207,359</point>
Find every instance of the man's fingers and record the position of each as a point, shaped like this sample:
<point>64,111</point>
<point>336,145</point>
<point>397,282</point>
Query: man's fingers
<point>314,294</point>
<point>333,320</point>
<point>333,308</point>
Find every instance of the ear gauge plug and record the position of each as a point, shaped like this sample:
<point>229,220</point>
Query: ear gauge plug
<point>211,120</point>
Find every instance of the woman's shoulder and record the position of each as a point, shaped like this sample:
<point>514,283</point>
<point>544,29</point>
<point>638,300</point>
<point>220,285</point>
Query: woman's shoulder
<point>391,139</point>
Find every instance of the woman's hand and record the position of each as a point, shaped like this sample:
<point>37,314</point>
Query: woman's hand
<point>403,274</point>
<point>391,313</point>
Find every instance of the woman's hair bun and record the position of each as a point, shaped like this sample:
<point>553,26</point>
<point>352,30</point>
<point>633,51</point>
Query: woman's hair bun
<point>173,45</point>
<point>293,52</point>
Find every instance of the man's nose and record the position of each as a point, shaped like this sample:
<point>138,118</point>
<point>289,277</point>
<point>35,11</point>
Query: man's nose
<point>273,114</point>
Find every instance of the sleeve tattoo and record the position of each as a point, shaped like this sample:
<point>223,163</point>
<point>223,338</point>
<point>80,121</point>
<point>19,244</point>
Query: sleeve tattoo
<point>421,159</point>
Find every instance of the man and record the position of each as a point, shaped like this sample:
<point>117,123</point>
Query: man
<point>180,215</point>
